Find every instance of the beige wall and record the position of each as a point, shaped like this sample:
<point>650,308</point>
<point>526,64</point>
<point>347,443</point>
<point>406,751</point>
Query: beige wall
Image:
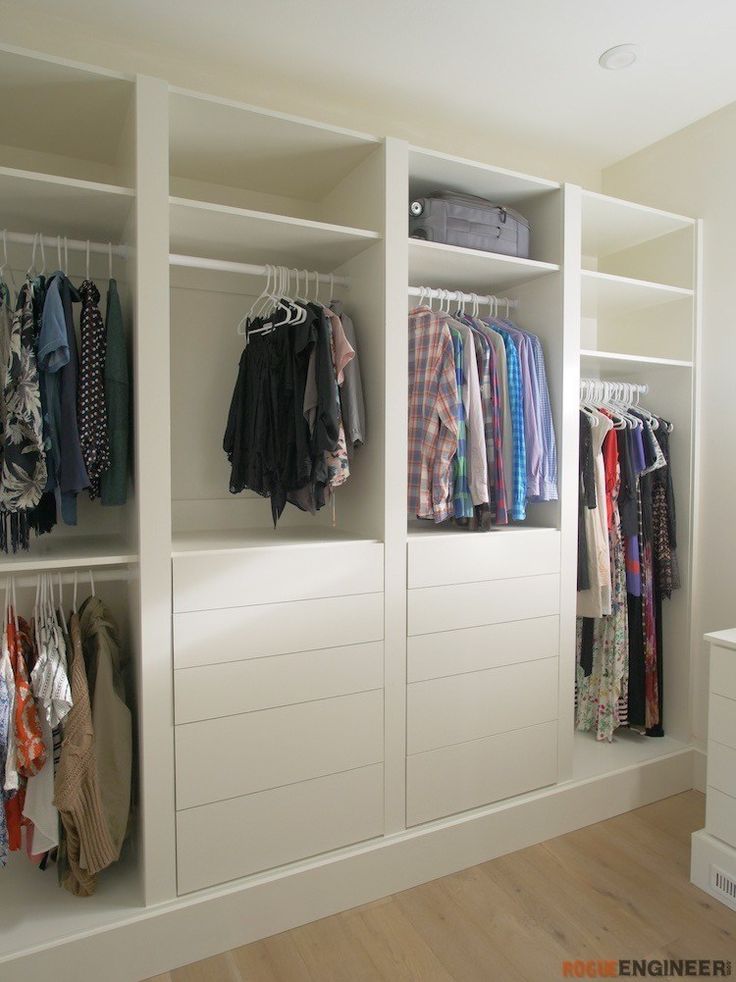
<point>343,104</point>
<point>694,172</point>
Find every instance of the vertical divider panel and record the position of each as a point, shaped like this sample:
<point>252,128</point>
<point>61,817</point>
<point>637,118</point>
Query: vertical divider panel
<point>568,471</point>
<point>395,488</point>
<point>153,488</point>
<point>699,649</point>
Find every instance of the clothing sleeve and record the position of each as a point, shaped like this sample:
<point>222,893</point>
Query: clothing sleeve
<point>477,454</point>
<point>532,434</point>
<point>448,433</point>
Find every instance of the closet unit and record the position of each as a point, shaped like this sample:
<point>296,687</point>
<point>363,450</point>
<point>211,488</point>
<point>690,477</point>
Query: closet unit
<point>352,702</point>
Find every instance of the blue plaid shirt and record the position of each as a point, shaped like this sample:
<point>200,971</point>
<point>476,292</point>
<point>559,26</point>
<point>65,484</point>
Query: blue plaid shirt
<point>548,482</point>
<point>516,403</point>
<point>462,500</point>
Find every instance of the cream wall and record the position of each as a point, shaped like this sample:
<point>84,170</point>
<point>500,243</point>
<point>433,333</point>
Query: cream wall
<point>343,104</point>
<point>692,172</point>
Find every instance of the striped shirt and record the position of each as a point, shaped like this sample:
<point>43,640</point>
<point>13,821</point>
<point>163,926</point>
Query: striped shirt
<point>548,477</point>
<point>516,400</point>
<point>462,500</point>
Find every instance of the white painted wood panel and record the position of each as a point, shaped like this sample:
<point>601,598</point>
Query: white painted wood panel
<point>207,637</point>
<point>722,768</point>
<point>448,608</point>
<point>723,672</point>
<point>454,779</point>
<point>273,575</point>
<point>237,755</point>
<point>210,691</point>
<point>473,649</point>
<point>459,708</point>
<point>722,720</point>
<point>271,828</point>
<point>720,816</point>
<point>437,560</point>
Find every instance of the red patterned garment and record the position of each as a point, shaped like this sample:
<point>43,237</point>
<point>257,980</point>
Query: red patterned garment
<point>30,747</point>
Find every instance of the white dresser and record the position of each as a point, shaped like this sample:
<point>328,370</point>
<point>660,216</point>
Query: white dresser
<point>713,866</point>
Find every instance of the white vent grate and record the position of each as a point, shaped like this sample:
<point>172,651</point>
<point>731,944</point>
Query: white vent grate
<point>723,883</point>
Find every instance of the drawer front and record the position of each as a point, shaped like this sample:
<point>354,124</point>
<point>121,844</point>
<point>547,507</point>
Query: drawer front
<point>723,671</point>
<point>722,769</point>
<point>459,708</point>
<point>264,830</point>
<point>453,779</point>
<point>264,576</point>
<point>207,637</point>
<point>450,608</point>
<point>441,561</point>
<point>473,649</point>
<point>281,680</point>
<point>237,755</point>
<point>720,816</point>
<point>722,720</point>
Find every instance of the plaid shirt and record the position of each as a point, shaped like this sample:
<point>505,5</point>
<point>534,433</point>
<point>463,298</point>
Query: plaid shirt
<point>548,478</point>
<point>516,399</point>
<point>491,401</point>
<point>462,501</point>
<point>433,426</point>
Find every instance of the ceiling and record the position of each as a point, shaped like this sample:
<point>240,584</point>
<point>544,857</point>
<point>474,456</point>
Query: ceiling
<point>526,70</point>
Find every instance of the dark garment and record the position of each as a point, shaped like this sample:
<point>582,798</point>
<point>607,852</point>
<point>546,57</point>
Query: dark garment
<point>586,498</point>
<point>627,498</point>
<point>72,472</point>
<point>114,485</point>
<point>586,645</point>
<point>91,407</point>
<point>637,696</point>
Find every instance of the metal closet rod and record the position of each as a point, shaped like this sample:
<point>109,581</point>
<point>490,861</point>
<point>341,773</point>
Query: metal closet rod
<point>76,245</point>
<point>225,266</point>
<point>459,297</point>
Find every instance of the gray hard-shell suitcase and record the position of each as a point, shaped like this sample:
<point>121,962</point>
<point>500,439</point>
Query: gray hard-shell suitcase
<point>469,221</point>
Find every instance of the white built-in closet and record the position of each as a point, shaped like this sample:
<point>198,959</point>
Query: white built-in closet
<point>351,703</point>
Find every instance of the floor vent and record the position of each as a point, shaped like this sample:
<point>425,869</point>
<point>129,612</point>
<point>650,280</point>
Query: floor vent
<point>724,884</point>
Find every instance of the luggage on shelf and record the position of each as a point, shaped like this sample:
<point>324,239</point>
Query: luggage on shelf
<point>469,221</point>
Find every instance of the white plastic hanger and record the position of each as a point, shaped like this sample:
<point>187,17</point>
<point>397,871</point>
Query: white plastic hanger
<point>87,262</point>
<point>92,583</point>
<point>5,267</point>
<point>264,295</point>
<point>43,254</point>
<point>31,272</point>
<point>58,250</point>
<point>74,593</point>
<point>109,260</point>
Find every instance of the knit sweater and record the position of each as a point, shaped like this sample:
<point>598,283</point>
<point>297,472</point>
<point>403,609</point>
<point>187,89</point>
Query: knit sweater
<point>76,786</point>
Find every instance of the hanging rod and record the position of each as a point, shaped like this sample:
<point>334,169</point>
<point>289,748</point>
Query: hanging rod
<point>459,297</point>
<point>248,269</point>
<point>76,245</point>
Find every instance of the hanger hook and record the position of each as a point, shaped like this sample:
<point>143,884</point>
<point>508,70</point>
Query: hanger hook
<point>87,259</point>
<point>43,254</point>
<point>109,260</point>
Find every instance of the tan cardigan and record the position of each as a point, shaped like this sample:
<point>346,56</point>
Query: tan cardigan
<point>76,785</point>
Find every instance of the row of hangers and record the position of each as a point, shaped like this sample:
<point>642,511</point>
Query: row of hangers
<point>618,398</point>
<point>45,601</point>
<point>277,295</point>
<point>474,300</point>
<point>33,271</point>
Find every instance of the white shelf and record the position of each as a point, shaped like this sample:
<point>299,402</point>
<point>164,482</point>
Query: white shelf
<point>457,268</point>
<point>35,202</point>
<point>227,540</point>
<point>201,228</point>
<point>229,143</point>
<point>609,359</point>
<point>426,529</point>
<point>607,296</point>
<point>611,225</point>
<point>54,551</point>
<point>430,171</point>
<point>593,758</point>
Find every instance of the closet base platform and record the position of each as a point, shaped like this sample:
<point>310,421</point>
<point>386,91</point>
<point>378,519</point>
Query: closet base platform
<point>86,944</point>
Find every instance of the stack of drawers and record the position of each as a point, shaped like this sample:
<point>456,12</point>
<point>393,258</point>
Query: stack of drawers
<point>720,810</point>
<point>482,670</point>
<point>278,658</point>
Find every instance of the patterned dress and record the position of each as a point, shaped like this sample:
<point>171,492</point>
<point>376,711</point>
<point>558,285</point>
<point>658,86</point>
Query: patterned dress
<point>91,406</point>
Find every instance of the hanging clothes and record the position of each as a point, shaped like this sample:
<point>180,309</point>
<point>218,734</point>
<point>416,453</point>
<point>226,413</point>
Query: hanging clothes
<point>114,482</point>
<point>91,405</point>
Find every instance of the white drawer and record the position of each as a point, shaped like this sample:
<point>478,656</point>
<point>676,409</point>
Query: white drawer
<point>237,755</point>
<point>439,560</point>
<point>448,608</point>
<point>459,708</point>
<point>720,816</point>
<point>722,720</point>
<point>723,671</point>
<point>453,779</point>
<point>722,768</point>
<point>208,581</point>
<point>207,637</point>
<point>281,680</point>
<point>228,839</point>
<point>472,649</point>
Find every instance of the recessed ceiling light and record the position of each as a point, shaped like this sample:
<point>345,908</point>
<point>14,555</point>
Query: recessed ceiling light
<point>621,56</point>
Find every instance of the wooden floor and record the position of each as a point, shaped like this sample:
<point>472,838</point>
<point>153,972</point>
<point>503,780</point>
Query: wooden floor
<point>615,890</point>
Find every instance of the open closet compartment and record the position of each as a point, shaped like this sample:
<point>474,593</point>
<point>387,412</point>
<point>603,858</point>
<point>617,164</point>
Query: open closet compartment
<point>640,273</point>
<point>295,751</point>
<point>483,625</point>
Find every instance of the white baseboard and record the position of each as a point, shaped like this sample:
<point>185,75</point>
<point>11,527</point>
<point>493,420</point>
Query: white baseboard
<point>708,852</point>
<point>194,927</point>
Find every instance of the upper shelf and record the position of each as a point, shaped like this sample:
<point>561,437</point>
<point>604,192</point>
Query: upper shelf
<point>229,143</point>
<point>606,296</point>
<point>237,234</point>
<point>33,202</point>
<point>455,268</point>
<point>611,225</point>
<point>430,171</point>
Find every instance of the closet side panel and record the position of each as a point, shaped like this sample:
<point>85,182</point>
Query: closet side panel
<point>153,484</point>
